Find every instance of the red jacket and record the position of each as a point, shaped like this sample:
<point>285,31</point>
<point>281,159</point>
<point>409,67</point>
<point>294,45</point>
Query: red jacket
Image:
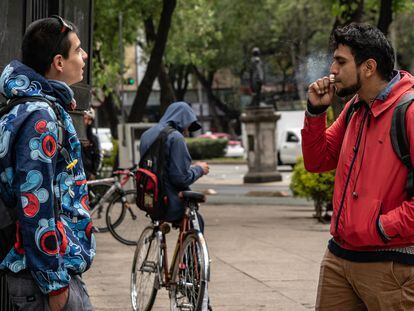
<point>370,182</point>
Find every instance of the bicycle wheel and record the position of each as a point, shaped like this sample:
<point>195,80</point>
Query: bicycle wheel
<point>145,271</point>
<point>95,192</point>
<point>190,275</point>
<point>128,228</point>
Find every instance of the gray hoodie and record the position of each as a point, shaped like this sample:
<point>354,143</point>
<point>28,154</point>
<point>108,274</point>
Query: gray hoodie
<point>180,173</point>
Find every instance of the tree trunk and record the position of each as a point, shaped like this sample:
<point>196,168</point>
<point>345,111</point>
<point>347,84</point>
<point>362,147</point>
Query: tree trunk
<point>385,17</point>
<point>215,102</point>
<point>111,112</point>
<point>153,67</point>
<point>167,91</point>
<point>167,95</point>
<point>179,77</point>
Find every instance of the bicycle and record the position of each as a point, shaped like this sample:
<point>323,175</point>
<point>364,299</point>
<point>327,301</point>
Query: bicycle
<point>107,196</point>
<point>187,277</point>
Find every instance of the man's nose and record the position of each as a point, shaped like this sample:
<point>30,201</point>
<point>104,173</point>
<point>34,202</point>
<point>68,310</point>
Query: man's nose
<point>333,69</point>
<point>84,54</point>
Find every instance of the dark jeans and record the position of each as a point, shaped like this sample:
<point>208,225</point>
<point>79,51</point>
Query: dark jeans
<point>177,223</point>
<point>25,294</point>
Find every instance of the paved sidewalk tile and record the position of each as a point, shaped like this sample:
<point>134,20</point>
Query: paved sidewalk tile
<point>263,258</point>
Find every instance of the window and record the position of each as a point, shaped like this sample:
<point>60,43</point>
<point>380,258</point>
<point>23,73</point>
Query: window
<point>292,138</point>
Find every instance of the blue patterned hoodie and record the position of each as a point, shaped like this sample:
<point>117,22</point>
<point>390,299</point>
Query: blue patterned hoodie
<point>54,229</point>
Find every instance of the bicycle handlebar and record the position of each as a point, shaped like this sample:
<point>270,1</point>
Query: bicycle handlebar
<point>101,181</point>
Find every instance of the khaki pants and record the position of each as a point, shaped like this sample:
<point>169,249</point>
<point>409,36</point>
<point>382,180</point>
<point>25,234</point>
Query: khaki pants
<point>352,286</point>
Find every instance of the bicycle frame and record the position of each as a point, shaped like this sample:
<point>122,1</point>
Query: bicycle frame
<point>186,277</point>
<point>189,221</point>
<point>117,185</point>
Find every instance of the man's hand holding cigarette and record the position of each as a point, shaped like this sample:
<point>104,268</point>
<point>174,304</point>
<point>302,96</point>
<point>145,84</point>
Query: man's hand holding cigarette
<point>321,92</point>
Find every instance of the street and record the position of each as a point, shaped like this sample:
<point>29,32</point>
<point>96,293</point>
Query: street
<point>227,182</point>
<point>264,257</point>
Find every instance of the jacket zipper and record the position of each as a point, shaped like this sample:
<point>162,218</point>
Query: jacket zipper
<point>355,149</point>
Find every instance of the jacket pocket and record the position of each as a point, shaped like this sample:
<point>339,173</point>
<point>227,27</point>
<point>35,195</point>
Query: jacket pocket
<point>360,223</point>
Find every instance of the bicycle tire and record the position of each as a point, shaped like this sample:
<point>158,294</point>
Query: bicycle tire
<point>127,229</point>
<point>146,261</point>
<point>191,274</point>
<point>95,192</point>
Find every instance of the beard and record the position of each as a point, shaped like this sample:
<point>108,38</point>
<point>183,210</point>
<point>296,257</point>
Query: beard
<point>350,90</point>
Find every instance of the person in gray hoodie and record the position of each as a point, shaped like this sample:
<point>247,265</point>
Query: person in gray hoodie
<point>179,169</point>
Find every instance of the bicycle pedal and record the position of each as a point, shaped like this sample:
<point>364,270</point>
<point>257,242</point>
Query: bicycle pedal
<point>165,228</point>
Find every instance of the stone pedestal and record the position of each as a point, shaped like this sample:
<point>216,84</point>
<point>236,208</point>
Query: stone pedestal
<point>260,125</point>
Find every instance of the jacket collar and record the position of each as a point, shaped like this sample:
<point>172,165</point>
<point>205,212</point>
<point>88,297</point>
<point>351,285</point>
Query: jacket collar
<point>399,85</point>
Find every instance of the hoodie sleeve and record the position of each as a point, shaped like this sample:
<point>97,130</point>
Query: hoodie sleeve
<point>36,157</point>
<point>181,174</point>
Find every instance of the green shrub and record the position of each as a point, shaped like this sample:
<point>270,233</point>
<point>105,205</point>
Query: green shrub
<point>206,148</point>
<point>314,186</point>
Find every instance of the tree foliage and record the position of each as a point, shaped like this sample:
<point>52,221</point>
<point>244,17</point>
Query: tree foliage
<point>106,44</point>
<point>209,35</point>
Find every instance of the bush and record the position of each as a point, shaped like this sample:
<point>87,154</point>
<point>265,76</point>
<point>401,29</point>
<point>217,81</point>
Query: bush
<point>206,148</point>
<point>314,186</point>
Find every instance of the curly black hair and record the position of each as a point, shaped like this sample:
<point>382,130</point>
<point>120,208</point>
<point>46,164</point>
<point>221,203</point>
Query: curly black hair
<point>365,42</point>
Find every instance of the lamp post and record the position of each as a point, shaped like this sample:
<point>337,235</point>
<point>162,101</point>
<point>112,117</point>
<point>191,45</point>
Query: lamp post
<point>121,67</point>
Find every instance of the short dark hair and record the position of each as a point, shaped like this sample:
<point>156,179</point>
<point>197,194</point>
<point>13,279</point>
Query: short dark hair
<point>365,42</point>
<point>39,43</point>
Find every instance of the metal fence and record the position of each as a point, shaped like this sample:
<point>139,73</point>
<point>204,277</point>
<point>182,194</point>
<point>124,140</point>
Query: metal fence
<point>5,304</point>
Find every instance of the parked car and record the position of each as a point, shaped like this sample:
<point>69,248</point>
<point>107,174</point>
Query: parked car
<point>234,147</point>
<point>105,139</point>
<point>289,146</point>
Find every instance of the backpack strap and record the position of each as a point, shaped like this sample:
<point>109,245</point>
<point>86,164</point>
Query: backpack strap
<point>399,138</point>
<point>163,136</point>
<point>10,104</point>
<point>350,112</point>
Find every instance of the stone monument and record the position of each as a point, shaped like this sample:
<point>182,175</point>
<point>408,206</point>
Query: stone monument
<point>260,129</point>
<point>256,77</point>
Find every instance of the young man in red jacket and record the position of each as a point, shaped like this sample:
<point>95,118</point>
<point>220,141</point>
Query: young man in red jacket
<point>369,264</point>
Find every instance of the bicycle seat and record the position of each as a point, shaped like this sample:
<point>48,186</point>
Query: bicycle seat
<point>193,196</point>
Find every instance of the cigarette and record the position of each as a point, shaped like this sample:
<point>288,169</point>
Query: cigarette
<point>332,78</point>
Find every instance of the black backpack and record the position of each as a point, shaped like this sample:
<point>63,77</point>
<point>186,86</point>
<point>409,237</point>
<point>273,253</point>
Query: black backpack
<point>398,135</point>
<point>8,214</point>
<point>150,178</point>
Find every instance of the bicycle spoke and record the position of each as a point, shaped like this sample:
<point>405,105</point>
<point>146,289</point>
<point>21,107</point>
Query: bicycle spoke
<point>189,279</point>
<point>145,271</point>
<point>96,191</point>
<point>129,226</point>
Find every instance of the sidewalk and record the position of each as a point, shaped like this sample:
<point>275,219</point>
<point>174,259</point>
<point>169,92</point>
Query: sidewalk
<point>263,258</point>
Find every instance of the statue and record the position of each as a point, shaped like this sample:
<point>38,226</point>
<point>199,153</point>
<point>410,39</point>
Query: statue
<point>256,77</point>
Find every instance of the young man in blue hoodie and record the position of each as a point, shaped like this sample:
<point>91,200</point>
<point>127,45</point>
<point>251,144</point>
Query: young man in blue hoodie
<point>42,174</point>
<point>180,173</point>
<point>178,164</point>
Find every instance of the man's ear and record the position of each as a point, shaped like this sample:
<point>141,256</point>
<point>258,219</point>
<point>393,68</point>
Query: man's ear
<point>57,63</point>
<point>370,67</point>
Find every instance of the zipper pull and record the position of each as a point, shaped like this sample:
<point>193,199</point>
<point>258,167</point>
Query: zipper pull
<point>72,164</point>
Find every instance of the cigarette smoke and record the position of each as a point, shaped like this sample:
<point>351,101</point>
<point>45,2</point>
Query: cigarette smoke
<point>316,66</point>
